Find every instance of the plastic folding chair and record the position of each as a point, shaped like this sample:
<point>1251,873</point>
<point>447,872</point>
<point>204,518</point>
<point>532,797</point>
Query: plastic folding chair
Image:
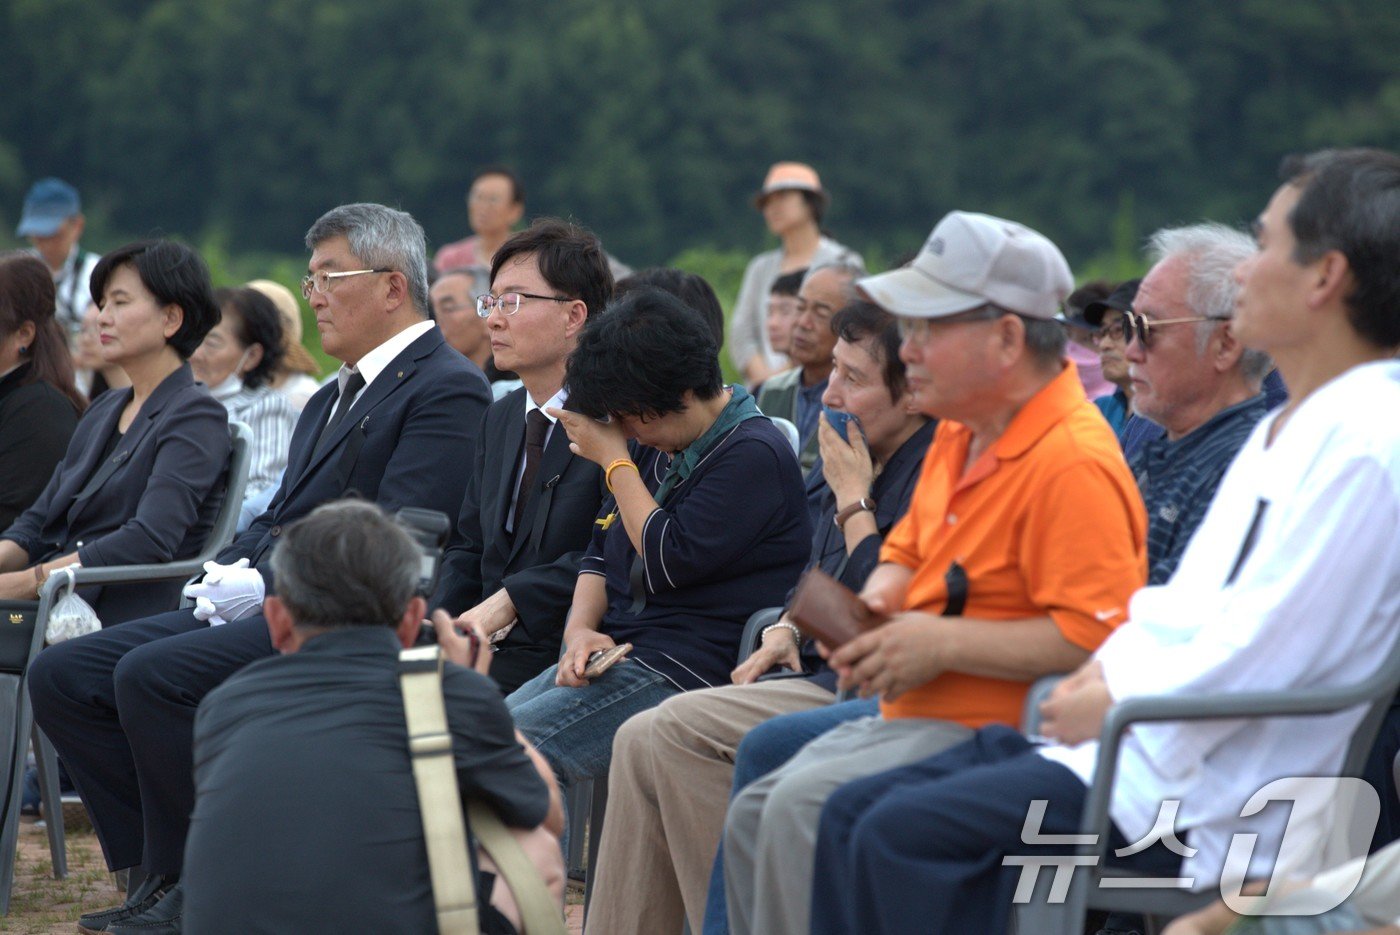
<point>1375,693</point>
<point>16,717</point>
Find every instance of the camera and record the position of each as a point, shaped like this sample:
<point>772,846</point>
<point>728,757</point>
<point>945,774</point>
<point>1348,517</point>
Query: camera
<point>429,530</point>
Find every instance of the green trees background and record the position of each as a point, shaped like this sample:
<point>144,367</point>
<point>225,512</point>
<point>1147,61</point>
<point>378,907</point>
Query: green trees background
<point>235,123</point>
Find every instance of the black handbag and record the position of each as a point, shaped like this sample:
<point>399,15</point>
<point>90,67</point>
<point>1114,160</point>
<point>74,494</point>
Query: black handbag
<point>17,621</point>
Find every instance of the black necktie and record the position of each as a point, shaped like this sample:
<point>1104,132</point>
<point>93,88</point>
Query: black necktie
<point>536,428</point>
<point>353,385</point>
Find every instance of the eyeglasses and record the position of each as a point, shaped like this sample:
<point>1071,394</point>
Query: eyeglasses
<point>917,330</point>
<point>1113,329</point>
<point>1137,326</point>
<point>320,281</point>
<point>509,302</point>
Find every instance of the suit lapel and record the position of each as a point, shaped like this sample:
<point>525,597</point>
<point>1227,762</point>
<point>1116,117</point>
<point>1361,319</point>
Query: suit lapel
<point>134,434</point>
<point>552,466</point>
<point>316,414</point>
<point>396,374</point>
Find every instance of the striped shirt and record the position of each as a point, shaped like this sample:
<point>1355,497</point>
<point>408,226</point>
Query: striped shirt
<point>270,416</point>
<point>1178,480</point>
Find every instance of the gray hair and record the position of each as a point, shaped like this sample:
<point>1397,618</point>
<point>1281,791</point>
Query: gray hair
<point>346,563</point>
<point>1211,252</point>
<point>1045,340</point>
<point>849,266</point>
<point>380,237</point>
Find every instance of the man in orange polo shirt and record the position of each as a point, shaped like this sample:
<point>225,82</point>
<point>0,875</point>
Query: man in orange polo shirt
<point>1021,547</point>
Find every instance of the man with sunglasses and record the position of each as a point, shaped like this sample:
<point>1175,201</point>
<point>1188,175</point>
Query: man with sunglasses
<point>528,513</point>
<point>1291,583</point>
<point>395,427</point>
<point>1190,375</point>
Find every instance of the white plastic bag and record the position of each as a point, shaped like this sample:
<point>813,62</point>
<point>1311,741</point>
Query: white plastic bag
<point>71,615</point>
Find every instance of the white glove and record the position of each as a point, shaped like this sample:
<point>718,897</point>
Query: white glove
<point>227,592</point>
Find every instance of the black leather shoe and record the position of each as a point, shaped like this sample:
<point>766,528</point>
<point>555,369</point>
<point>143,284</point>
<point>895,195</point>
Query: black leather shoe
<point>161,919</point>
<point>142,898</point>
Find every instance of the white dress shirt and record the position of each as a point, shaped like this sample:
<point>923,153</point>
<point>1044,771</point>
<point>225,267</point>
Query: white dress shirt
<point>372,364</point>
<point>1315,604</point>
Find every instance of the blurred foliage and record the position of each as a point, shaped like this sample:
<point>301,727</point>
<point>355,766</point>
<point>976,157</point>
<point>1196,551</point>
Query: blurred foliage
<point>238,122</point>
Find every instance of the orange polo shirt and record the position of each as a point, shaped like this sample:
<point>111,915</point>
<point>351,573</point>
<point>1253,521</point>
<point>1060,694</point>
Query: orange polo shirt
<point>1047,521</point>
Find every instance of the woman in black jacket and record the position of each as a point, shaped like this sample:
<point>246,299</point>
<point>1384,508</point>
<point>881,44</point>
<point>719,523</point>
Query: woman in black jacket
<point>39,403</point>
<point>142,479</point>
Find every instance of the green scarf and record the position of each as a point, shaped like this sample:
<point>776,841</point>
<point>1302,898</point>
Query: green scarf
<point>741,406</point>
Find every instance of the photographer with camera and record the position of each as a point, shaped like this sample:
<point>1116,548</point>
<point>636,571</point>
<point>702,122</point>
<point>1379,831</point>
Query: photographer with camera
<point>306,816</point>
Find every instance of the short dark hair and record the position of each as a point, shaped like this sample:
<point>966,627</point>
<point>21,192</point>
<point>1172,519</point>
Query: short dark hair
<point>570,257</point>
<point>861,320</point>
<point>641,356</point>
<point>517,188</point>
<point>175,275</point>
<point>691,289</point>
<point>1350,202</point>
<point>788,283</point>
<point>27,294</point>
<point>256,321</point>
<point>346,564</point>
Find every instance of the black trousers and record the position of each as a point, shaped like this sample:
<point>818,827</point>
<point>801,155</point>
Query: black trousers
<point>119,706</point>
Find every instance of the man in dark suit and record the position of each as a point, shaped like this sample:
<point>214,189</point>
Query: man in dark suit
<point>530,503</point>
<point>395,428</point>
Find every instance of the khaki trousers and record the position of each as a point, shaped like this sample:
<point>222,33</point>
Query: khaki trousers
<point>668,788</point>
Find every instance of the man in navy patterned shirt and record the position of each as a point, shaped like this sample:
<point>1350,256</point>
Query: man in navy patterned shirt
<point>1191,376</point>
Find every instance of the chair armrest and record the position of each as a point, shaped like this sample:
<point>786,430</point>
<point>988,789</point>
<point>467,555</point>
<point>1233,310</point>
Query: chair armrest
<point>1218,706</point>
<point>753,630</point>
<point>1030,711</point>
<point>134,574</point>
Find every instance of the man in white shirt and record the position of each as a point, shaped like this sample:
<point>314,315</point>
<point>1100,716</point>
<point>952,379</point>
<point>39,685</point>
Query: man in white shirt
<point>1291,582</point>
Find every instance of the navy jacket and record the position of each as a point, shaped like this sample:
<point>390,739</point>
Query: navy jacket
<point>538,564</point>
<point>306,815</point>
<point>153,500</point>
<point>729,540</point>
<point>406,441</point>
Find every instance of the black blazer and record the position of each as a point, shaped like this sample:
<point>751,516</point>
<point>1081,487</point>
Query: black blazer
<point>405,442</point>
<point>153,500</point>
<point>539,563</point>
<point>36,424</point>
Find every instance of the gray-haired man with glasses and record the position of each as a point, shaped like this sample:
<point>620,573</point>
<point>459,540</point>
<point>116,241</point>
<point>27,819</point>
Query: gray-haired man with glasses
<point>530,504</point>
<point>395,427</point>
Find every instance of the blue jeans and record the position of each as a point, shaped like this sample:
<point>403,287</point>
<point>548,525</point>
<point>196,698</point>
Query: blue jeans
<point>764,749</point>
<point>574,727</point>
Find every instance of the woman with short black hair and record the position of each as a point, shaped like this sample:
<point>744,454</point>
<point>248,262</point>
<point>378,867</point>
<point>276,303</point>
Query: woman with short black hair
<point>142,479</point>
<point>707,523</point>
<point>237,361</point>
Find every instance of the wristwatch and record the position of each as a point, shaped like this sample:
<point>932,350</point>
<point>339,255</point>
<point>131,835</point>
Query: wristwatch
<point>863,505</point>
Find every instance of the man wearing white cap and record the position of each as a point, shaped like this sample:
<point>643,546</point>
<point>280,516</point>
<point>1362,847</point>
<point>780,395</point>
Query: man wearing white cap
<point>983,586</point>
<point>53,222</point>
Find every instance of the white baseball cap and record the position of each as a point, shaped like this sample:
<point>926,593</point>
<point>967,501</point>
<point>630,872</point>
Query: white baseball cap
<point>971,260</point>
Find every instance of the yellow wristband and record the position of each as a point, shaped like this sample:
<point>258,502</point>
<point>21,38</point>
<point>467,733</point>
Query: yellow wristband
<point>619,463</point>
